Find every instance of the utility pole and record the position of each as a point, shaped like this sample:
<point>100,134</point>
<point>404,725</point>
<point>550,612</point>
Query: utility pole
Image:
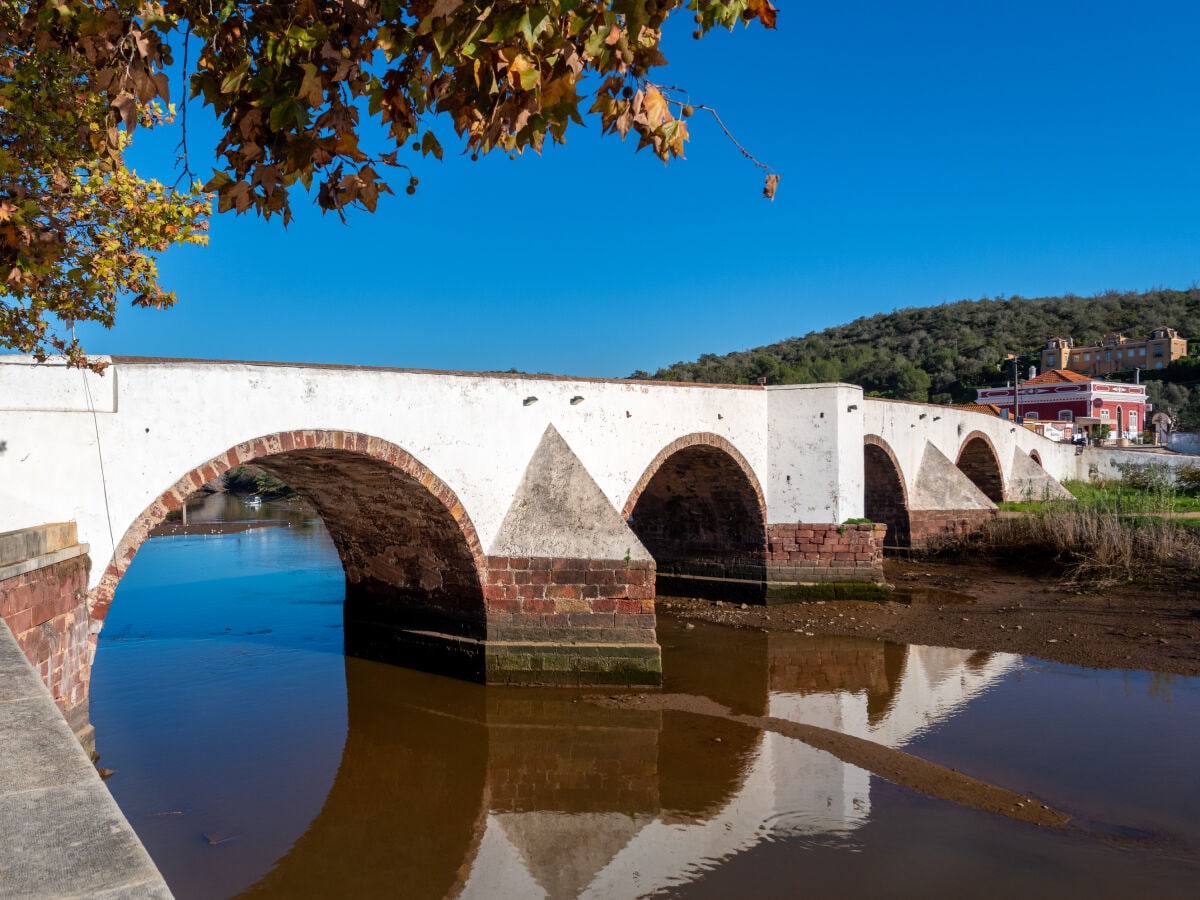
<point>1016,387</point>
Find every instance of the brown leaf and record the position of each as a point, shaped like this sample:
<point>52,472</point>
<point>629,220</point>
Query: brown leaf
<point>126,106</point>
<point>655,105</point>
<point>770,185</point>
<point>765,11</point>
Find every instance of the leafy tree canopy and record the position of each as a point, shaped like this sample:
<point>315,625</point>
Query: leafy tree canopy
<point>942,353</point>
<point>290,83</point>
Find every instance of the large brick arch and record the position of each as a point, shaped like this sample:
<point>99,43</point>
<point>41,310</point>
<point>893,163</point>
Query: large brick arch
<point>699,509</point>
<point>978,460</point>
<point>885,495</point>
<point>370,493</point>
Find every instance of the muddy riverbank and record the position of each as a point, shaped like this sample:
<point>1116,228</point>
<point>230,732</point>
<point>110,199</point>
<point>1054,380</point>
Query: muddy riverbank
<point>987,605</point>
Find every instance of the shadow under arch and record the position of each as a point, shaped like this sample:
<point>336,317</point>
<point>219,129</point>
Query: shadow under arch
<point>699,509</point>
<point>410,554</point>
<point>1035,456</point>
<point>885,495</point>
<point>978,460</point>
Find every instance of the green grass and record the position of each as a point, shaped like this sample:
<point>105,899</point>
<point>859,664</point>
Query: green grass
<point>1119,497</point>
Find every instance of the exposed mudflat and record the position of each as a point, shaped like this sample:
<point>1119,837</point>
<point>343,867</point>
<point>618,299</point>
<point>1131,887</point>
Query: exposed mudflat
<point>987,605</point>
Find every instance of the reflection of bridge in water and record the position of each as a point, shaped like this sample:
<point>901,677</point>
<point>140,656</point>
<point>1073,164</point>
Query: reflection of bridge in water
<point>473,793</point>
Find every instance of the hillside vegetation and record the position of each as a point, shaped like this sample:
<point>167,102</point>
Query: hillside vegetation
<point>942,353</point>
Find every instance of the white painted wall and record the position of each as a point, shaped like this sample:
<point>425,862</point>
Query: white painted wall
<point>815,441</point>
<point>99,450</point>
<point>472,431</point>
<point>905,427</point>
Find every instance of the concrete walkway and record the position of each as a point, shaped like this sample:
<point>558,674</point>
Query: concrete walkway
<point>61,833</point>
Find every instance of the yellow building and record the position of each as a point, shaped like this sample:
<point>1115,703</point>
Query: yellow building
<point>1116,353</point>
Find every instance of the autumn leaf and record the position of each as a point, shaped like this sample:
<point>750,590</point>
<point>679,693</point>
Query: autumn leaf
<point>655,105</point>
<point>763,10</point>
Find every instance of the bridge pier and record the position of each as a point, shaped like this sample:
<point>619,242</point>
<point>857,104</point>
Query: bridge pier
<point>566,595</point>
<point>806,560</point>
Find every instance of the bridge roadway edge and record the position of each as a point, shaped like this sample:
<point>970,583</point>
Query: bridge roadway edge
<point>64,835</point>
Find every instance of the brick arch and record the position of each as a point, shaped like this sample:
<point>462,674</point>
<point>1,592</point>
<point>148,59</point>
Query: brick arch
<point>286,454</point>
<point>699,509</point>
<point>885,494</point>
<point>979,461</point>
<point>698,439</point>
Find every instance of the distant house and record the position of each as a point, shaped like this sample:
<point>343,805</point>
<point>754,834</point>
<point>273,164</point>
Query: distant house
<point>1115,353</point>
<point>1064,396</point>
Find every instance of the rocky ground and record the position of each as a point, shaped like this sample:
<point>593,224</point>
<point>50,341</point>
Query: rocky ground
<point>986,605</point>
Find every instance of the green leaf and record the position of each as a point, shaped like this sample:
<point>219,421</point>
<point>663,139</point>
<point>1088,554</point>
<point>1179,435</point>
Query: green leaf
<point>429,144</point>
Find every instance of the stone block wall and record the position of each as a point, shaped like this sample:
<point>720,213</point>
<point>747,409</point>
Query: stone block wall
<point>46,609</point>
<point>929,527</point>
<point>562,620</point>
<point>802,554</point>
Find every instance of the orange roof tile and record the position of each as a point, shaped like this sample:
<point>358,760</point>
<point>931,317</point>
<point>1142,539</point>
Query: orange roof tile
<point>1057,376</point>
<point>989,408</point>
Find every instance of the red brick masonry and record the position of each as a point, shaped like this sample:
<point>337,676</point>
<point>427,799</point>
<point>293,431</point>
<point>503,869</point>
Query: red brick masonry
<point>809,553</point>
<point>556,598</point>
<point>47,612</point>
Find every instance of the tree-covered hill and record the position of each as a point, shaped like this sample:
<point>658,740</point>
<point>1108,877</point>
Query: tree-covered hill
<point>942,353</point>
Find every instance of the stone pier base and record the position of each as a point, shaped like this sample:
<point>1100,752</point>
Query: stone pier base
<point>546,620</point>
<point>43,598</point>
<point>930,527</point>
<point>824,560</point>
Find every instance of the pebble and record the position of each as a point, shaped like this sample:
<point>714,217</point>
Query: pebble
<point>1052,641</point>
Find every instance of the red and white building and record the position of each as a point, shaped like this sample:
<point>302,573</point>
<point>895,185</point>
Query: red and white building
<point>1063,396</point>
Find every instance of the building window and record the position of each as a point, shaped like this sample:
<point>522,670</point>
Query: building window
<point>1104,414</point>
<point>1031,417</point>
<point>1108,354</point>
<point>1141,351</point>
<point>1158,365</point>
<point>1133,420</point>
<point>1065,415</point>
<point>1050,359</point>
<point>1118,354</point>
<point>1087,357</point>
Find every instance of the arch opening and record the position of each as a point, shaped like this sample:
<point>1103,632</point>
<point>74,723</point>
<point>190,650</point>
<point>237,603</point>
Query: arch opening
<point>700,513</point>
<point>1033,454</point>
<point>884,497</point>
<point>978,461</point>
<point>409,553</point>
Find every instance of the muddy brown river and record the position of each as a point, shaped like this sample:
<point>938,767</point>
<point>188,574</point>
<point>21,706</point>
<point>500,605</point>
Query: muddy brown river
<point>254,759</point>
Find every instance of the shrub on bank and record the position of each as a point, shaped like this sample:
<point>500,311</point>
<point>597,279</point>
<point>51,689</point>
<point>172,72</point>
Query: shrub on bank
<point>1115,531</point>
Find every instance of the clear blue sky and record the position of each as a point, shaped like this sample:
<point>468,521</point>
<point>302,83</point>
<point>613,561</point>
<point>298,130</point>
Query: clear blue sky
<point>930,152</point>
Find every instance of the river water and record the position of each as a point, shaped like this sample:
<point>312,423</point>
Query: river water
<point>255,760</point>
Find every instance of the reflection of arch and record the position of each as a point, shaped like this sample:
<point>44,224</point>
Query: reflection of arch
<point>885,497</point>
<point>397,527</point>
<point>698,508</point>
<point>979,462</point>
<point>1033,454</point>
<point>416,750</point>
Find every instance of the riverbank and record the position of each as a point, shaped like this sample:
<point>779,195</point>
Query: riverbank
<point>990,605</point>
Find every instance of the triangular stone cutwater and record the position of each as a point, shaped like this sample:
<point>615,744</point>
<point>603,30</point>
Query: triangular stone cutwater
<point>942,485</point>
<point>559,510</point>
<point>1030,481</point>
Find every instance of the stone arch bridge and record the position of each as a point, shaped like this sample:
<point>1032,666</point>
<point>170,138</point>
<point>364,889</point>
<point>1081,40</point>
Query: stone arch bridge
<point>502,527</point>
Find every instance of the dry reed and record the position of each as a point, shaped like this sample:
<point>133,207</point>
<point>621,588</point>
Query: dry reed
<point>1092,545</point>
